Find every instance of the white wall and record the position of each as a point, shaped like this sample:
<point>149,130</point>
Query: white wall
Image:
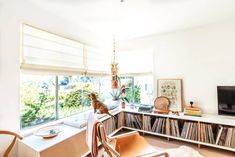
<point>203,57</point>
<point>12,14</point>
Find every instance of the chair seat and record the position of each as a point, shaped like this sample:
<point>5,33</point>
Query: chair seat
<point>133,145</point>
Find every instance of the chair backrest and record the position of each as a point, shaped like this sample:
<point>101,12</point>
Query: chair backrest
<point>9,148</point>
<point>101,133</point>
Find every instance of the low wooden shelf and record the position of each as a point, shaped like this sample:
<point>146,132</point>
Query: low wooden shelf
<point>73,139</point>
<point>227,121</point>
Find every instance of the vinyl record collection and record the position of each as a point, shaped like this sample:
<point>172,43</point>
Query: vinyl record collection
<point>133,120</point>
<point>226,136</point>
<point>206,133</point>
<point>110,125</point>
<point>192,130</point>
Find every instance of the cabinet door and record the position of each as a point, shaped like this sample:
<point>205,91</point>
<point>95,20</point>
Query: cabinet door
<point>74,146</point>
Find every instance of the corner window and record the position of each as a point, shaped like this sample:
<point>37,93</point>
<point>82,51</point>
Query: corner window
<point>47,98</point>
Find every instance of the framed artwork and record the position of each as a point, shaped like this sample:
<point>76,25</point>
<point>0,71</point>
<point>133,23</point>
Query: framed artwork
<point>172,89</point>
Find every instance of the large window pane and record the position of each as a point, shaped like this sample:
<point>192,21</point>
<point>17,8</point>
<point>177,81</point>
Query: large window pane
<point>105,88</point>
<point>143,89</point>
<point>37,99</point>
<point>139,89</point>
<point>73,93</point>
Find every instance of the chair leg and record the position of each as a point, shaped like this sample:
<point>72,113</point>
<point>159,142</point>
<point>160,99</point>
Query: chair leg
<point>10,147</point>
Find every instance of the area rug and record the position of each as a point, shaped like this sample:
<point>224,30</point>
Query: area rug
<point>183,151</point>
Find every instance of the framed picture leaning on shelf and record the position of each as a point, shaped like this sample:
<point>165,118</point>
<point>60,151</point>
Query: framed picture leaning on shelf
<point>172,89</point>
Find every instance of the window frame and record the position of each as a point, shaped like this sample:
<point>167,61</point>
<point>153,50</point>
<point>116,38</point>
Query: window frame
<point>57,107</point>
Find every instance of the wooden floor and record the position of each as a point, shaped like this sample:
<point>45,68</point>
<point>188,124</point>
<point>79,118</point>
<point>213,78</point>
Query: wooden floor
<point>162,143</point>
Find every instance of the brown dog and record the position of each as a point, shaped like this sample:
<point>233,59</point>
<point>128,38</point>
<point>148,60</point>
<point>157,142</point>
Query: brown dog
<point>98,105</point>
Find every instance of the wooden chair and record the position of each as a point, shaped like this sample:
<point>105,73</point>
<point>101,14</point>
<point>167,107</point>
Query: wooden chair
<point>127,145</point>
<point>9,148</point>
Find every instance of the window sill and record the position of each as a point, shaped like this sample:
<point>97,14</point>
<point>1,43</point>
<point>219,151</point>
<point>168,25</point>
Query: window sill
<point>29,131</point>
<point>39,144</point>
<point>82,116</point>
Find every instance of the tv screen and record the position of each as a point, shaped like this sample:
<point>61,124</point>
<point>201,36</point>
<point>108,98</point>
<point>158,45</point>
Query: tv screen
<point>226,100</point>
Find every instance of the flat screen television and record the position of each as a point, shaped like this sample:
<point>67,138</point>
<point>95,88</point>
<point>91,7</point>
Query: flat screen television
<point>226,100</point>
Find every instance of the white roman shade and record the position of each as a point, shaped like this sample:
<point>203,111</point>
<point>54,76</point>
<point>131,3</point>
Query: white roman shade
<point>135,62</point>
<point>44,50</point>
<point>97,60</point>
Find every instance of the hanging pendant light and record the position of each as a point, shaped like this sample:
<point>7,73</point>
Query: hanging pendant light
<point>114,68</point>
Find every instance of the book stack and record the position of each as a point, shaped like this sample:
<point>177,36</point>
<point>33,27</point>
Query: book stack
<point>159,126</point>
<point>110,125</point>
<point>190,131</point>
<point>133,121</point>
<point>226,136</point>
<point>206,133</point>
<point>174,128</point>
<point>192,111</point>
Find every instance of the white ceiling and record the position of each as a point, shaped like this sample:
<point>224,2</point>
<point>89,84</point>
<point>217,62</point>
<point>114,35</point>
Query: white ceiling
<point>137,18</point>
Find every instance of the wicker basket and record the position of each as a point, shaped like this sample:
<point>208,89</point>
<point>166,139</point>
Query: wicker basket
<point>162,105</point>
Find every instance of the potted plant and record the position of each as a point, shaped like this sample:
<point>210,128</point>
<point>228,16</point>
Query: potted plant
<point>120,94</point>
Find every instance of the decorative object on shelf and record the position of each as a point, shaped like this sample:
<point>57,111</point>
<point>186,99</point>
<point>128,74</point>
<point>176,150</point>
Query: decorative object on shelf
<point>192,111</point>
<point>191,103</point>
<point>49,131</point>
<point>145,108</point>
<point>175,113</point>
<point>172,89</point>
<point>123,105</point>
<point>120,93</point>
<point>132,106</point>
<point>98,105</point>
<point>162,105</point>
<point>76,122</point>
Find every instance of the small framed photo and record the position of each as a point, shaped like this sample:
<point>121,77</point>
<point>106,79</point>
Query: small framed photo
<point>172,89</point>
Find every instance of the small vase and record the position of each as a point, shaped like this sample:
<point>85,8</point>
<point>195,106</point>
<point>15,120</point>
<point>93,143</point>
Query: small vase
<point>123,105</point>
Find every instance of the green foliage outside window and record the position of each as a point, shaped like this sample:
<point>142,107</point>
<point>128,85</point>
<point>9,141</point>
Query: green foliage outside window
<point>39,102</point>
<point>76,100</point>
<point>38,105</point>
<point>132,96</point>
<point>137,92</point>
